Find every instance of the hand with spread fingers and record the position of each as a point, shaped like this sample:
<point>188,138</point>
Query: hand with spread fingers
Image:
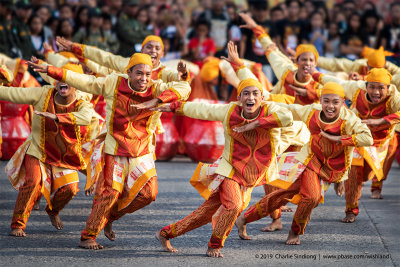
<point>182,71</point>
<point>250,23</point>
<point>233,55</point>
<point>355,76</point>
<point>247,127</point>
<point>64,44</point>
<point>46,115</point>
<point>334,138</point>
<point>37,67</point>
<point>162,108</point>
<point>148,104</point>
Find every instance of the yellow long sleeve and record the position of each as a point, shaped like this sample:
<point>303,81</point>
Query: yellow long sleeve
<point>341,64</point>
<point>23,95</point>
<point>205,111</point>
<point>106,59</point>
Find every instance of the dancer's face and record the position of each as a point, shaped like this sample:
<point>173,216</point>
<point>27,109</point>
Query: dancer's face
<point>139,76</point>
<point>250,98</point>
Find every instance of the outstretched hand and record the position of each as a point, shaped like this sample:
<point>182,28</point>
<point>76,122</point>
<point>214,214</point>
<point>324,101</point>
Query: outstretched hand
<point>163,108</point>
<point>334,138</point>
<point>37,67</point>
<point>64,44</point>
<point>182,71</point>
<point>148,104</point>
<point>233,55</point>
<point>247,127</point>
<point>375,122</point>
<point>250,23</point>
<point>299,90</point>
<point>355,76</point>
<point>46,115</point>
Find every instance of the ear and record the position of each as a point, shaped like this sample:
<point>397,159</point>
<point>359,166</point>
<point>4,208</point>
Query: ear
<point>238,97</point>
<point>129,71</point>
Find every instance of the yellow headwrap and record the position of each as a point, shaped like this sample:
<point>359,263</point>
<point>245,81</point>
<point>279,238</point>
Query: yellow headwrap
<point>247,83</point>
<point>300,49</point>
<point>379,75</point>
<point>139,58</point>
<point>332,88</point>
<point>376,58</point>
<point>153,38</point>
<point>210,69</point>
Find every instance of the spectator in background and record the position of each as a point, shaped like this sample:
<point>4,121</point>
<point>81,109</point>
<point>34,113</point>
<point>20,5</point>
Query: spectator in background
<point>64,29</point>
<point>82,18</point>
<point>108,31</point>
<point>94,35</point>
<point>234,32</point>
<point>219,20</point>
<point>320,6</point>
<point>143,16</point>
<point>348,8</point>
<point>20,27</point>
<point>38,35</point>
<point>65,12</point>
<point>130,32</point>
<point>287,31</point>
<point>276,14</point>
<point>8,39</point>
<point>353,39</point>
<point>390,36</point>
<point>201,46</point>
<point>315,33</point>
<point>114,10</point>
<point>152,24</point>
<point>333,43</point>
<point>172,27</point>
<point>250,47</point>
<point>371,24</point>
<point>44,12</point>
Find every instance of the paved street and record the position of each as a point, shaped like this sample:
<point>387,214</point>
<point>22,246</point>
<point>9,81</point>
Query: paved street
<point>373,240</point>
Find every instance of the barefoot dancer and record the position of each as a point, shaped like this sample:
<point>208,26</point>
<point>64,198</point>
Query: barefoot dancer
<point>41,165</point>
<point>334,132</point>
<point>127,178</point>
<point>377,103</point>
<point>248,159</point>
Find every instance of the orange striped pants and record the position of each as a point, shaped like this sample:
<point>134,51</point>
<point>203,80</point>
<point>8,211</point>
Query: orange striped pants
<point>309,187</point>
<point>30,191</point>
<point>105,206</point>
<point>230,197</point>
<point>268,189</point>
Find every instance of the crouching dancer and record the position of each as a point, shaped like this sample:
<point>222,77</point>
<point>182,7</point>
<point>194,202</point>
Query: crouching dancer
<point>248,159</point>
<point>127,179</point>
<point>335,131</point>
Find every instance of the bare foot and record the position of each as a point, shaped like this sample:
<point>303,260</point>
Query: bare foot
<point>339,189</point>
<point>56,222</point>
<point>90,244</point>
<point>286,209</point>
<point>90,191</point>
<point>108,232</point>
<point>274,226</point>
<point>350,218</point>
<point>18,232</point>
<point>293,239</point>
<point>37,205</point>
<point>214,252</point>
<point>376,194</point>
<point>165,243</point>
<point>241,226</point>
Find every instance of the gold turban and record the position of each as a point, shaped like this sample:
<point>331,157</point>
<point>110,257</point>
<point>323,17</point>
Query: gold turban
<point>332,88</point>
<point>139,58</point>
<point>375,58</point>
<point>153,38</point>
<point>210,69</point>
<point>247,83</point>
<point>73,67</point>
<point>379,75</point>
<point>300,49</point>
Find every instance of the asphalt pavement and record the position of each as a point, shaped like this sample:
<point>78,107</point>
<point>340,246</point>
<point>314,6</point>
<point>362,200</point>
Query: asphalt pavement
<point>373,240</point>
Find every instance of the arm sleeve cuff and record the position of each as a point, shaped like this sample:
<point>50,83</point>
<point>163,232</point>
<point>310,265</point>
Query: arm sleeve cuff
<point>271,121</point>
<point>78,49</point>
<point>349,140</point>
<point>56,73</point>
<point>169,95</point>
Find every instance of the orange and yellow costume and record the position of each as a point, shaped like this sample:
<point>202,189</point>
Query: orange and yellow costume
<point>248,160</point>
<point>324,162</point>
<point>48,161</point>
<point>123,165</point>
<point>369,161</point>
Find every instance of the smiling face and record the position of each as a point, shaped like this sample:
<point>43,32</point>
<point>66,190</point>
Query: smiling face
<point>331,105</point>
<point>306,63</point>
<point>154,50</point>
<point>139,76</point>
<point>64,90</point>
<point>377,92</point>
<point>250,98</point>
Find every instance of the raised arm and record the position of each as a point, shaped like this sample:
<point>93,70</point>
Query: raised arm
<point>23,95</point>
<point>300,112</point>
<point>200,110</point>
<point>339,64</point>
<point>350,87</point>
<point>172,91</point>
<point>95,54</point>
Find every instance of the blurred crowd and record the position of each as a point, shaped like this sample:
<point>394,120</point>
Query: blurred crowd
<point>195,29</point>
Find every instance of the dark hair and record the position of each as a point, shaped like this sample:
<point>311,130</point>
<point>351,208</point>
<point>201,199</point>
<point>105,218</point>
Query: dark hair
<point>59,27</point>
<point>31,18</point>
<point>143,8</point>
<point>258,4</point>
<point>275,8</point>
<point>288,2</point>
<point>78,22</point>
<point>396,3</point>
<point>202,22</point>
<point>65,5</point>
